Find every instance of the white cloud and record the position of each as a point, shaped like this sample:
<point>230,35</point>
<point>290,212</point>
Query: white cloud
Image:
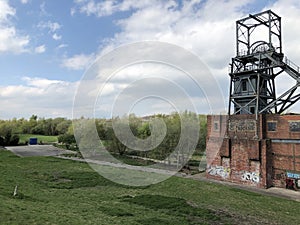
<point>106,8</point>
<point>289,10</point>
<point>202,31</point>
<point>10,39</point>
<point>56,37</point>
<point>72,11</point>
<point>43,11</point>
<point>62,46</point>
<point>6,11</point>
<point>24,1</point>
<point>78,62</point>
<point>40,82</point>
<point>40,96</point>
<point>193,26</point>
<point>100,9</point>
<point>51,26</point>
<point>40,49</point>
<point>207,28</point>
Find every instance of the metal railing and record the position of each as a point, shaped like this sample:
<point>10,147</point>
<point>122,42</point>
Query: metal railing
<point>259,49</point>
<point>291,64</point>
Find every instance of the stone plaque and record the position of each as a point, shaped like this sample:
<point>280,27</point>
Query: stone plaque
<point>242,125</point>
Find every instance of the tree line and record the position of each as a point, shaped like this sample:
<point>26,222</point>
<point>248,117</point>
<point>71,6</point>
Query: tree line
<point>140,127</point>
<point>119,142</point>
<point>10,129</point>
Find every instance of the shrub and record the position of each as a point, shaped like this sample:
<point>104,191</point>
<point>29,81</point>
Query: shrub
<point>14,140</point>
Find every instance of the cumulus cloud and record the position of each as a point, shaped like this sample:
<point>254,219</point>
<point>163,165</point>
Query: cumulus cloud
<point>56,37</point>
<point>37,95</point>
<point>78,62</point>
<point>40,49</point>
<point>289,10</point>
<point>10,39</point>
<point>52,27</point>
<point>6,11</point>
<point>192,25</point>
<point>103,8</point>
<point>206,28</point>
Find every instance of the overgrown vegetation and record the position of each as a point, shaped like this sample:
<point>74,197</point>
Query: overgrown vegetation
<point>141,128</point>
<point>60,130</point>
<point>56,191</point>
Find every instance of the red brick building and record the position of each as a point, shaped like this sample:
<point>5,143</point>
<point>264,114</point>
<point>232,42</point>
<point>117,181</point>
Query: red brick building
<point>256,144</point>
<point>261,152</point>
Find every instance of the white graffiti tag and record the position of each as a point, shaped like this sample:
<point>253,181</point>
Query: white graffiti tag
<point>251,176</point>
<point>219,171</point>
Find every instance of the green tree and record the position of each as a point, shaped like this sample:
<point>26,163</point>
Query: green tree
<point>32,123</point>
<point>67,139</point>
<point>63,126</point>
<point>116,144</point>
<point>14,140</point>
<point>7,138</point>
<point>101,129</point>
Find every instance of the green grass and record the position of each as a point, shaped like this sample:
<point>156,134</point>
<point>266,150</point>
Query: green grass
<point>43,138</point>
<point>132,161</point>
<point>57,191</point>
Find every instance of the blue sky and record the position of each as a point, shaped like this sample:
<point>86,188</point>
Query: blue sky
<point>46,46</point>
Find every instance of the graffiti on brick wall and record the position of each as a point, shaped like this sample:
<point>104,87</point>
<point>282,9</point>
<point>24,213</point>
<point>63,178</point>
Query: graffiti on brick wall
<point>293,175</point>
<point>251,176</point>
<point>221,171</point>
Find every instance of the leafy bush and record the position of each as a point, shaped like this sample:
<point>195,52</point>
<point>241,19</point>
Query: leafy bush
<point>66,139</point>
<point>14,140</point>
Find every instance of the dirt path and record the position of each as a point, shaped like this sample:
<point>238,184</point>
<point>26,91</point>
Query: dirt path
<point>125,166</point>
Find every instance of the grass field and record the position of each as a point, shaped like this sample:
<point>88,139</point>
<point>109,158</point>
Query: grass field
<point>43,138</point>
<point>57,191</point>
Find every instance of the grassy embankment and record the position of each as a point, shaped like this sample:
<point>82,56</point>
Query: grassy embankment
<point>57,191</point>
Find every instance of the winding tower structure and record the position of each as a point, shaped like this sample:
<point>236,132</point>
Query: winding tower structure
<point>256,143</point>
<point>259,60</point>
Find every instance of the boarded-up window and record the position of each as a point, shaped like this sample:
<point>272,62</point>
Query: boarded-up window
<point>216,126</point>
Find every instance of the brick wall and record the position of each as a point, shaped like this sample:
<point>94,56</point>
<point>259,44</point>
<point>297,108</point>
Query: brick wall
<point>244,149</point>
<point>283,127</point>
